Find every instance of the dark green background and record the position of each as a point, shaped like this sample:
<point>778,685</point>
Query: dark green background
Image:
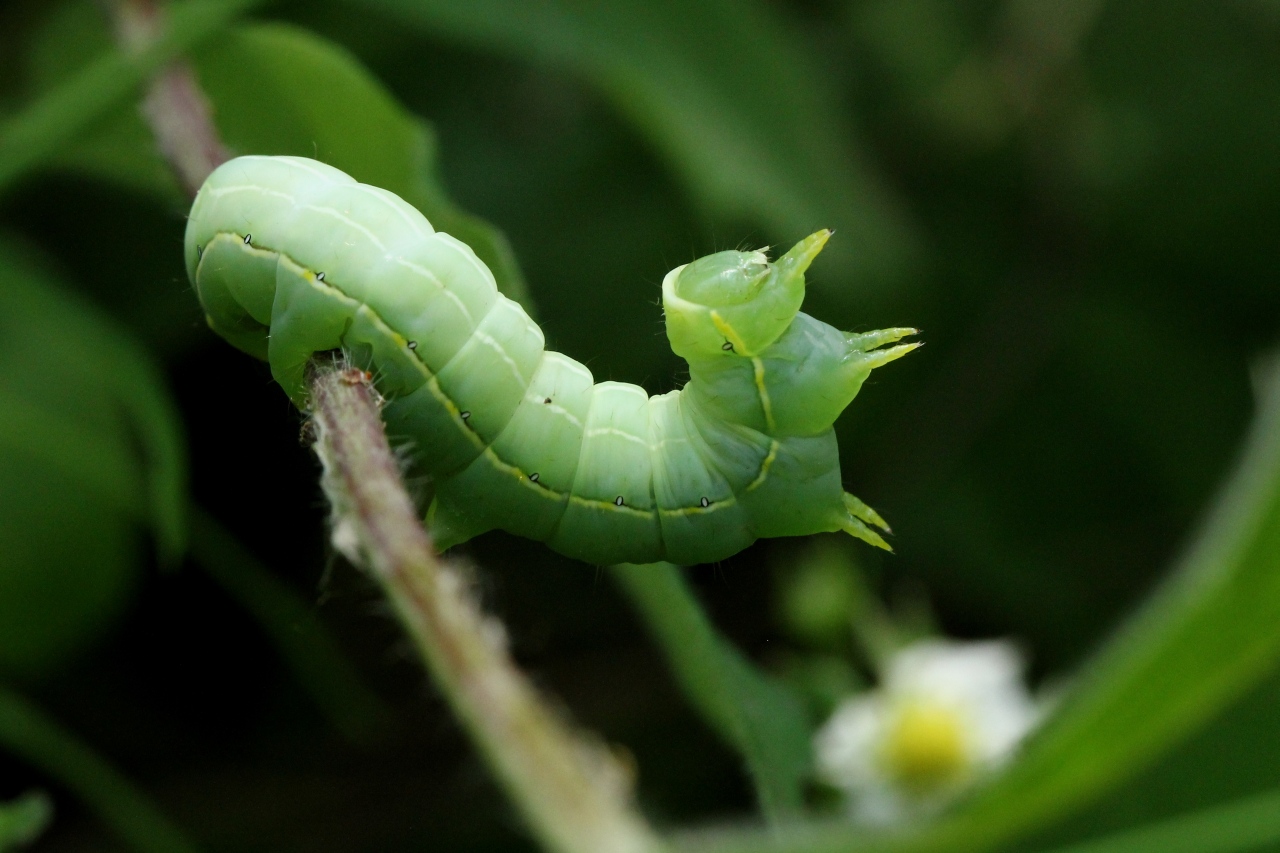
<point>1090,213</point>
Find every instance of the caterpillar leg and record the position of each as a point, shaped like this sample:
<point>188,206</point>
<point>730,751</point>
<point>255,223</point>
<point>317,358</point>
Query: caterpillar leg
<point>859,517</point>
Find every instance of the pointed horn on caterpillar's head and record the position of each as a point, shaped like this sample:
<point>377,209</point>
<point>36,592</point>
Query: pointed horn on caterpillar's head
<point>736,303</point>
<point>797,260</point>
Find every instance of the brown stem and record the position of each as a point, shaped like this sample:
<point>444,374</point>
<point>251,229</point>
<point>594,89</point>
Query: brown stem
<point>573,793</point>
<point>175,107</point>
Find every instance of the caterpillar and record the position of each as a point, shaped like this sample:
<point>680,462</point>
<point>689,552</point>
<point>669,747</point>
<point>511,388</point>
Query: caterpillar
<point>291,257</point>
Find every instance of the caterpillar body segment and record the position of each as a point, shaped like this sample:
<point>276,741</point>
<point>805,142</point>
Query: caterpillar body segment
<point>291,257</point>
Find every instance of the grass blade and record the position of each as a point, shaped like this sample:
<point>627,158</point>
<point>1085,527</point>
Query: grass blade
<point>1243,825</point>
<point>755,715</point>
<point>28,733</point>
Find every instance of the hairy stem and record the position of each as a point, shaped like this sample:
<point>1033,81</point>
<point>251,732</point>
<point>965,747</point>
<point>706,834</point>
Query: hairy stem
<point>174,107</point>
<point>574,796</point>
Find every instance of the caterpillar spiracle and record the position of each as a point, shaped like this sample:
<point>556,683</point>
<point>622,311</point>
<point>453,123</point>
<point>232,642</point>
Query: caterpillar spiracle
<point>291,257</point>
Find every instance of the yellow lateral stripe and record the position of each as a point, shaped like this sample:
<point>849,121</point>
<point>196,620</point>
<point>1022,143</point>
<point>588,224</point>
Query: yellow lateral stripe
<point>432,383</point>
<point>507,468</point>
<point>610,505</point>
<point>764,394</point>
<point>723,327</point>
<point>698,510</point>
<point>764,468</point>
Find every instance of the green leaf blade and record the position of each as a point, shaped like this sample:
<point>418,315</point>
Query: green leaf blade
<point>758,717</point>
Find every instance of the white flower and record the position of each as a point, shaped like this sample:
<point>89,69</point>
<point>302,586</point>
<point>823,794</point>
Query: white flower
<point>944,713</point>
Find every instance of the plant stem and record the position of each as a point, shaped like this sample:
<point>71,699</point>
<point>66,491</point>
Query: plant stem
<point>41,129</point>
<point>174,107</point>
<point>573,794</point>
<point>27,732</point>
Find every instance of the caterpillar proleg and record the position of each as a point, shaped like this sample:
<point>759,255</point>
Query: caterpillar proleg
<point>291,257</point>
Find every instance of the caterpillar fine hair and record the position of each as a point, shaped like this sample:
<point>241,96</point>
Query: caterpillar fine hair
<point>291,257</point>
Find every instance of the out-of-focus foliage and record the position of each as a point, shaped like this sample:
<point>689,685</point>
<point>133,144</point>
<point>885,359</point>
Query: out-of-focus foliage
<point>89,448</point>
<point>1077,202</point>
<point>111,80</point>
<point>725,91</point>
<point>27,732</point>
<point>1250,824</point>
<point>275,90</point>
<point>22,820</point>
<point>1208,635</point>
<point>759,717</point>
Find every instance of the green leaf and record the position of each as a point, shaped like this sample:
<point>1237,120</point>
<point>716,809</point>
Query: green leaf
<point>1244,825</point>
<point>90,445</point>
<point>66,357</point>
<point>726,94</point>
<point>30,137</point>
<point>278,89</point>
<point>1210,633</point>
<point>759,717</point>
<point>24,819</point>
<point>26,732</point>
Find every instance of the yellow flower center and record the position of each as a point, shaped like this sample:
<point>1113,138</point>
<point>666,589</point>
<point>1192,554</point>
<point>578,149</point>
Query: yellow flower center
<point>926,747</point>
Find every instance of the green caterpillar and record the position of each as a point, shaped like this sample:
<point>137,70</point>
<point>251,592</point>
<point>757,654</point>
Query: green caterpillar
<point>291,257</point>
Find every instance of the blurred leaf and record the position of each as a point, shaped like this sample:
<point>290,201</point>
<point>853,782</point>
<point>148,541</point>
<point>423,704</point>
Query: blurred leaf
<point>1232,759</point>
<point>22,820</point>
<point>281,90</point>
<point>278,89</point>
<point>1244,825</point>
<point>89,445</point>
<point>34,134</point>
<point>1205,638</point>
<point>723,90</point>
<point>119,145</point>
<point>820,591</point>
<point>26,732</point>
<point>761,718</point>
<point>62,354</point>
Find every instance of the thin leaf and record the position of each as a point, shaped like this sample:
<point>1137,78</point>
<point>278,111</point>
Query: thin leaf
<point>1243,825</point>
<point>36,133</point>
<point>1209,634</point>
<point>721,89</point>
<point>28,733</point>
<point>759,717</point>
<point>24,819</point>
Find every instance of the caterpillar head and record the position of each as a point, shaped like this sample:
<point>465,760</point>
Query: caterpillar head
<point>736,302</point>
